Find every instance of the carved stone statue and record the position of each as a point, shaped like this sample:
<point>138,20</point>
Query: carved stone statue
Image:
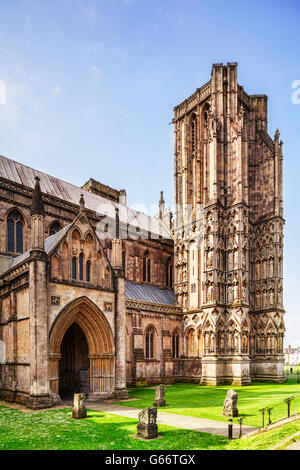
<point>236,291</point>
<point>230,294</point>
<point>79,409</point>
<point>147,427</point>
<point>210,293</point>
<point>160,392</point>
<point>209,259</point>
<point>230,404</point>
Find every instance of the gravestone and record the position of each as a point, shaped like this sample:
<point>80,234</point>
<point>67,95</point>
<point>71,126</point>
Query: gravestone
<point>160,392</point>
<point>147,427</point>
<point>79,409</point>
<point>230,404</point>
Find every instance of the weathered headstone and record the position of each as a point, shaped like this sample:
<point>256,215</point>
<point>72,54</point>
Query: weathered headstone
<point>79,409</point>
<point>160,392</point>
<point>230,404</point>
<point>147,427</point>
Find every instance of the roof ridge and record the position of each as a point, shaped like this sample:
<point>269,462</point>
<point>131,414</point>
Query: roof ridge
<point>24,175</point>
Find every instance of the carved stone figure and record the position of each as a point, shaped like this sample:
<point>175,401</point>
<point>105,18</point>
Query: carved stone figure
<point>210,293</point>
<point>147,427</point>
<point>160,392</point>
<point>209,259</point>
<point>236,291</point>
<point>79,409</point>
<point>230,294</point>
<point>230,404</point>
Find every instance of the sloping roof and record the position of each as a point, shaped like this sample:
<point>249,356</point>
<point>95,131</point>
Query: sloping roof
<point>267,139</point>
<point>49,243</point>
<point>148,293</point>
<point>25,175</point>
<point>19,259</point>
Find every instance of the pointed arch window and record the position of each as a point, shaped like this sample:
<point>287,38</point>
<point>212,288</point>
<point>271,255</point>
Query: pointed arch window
<point>74,268</point>
<point>175,345</point>
<point>81,267</point>
<point>55,227</point>
<point>194,132</point>
<point>124,261</point>
<point>146,268</point>
<point>191,343</point>
<point>169,273</point>
<point>15,226</point>
<point>149,343</point>
<point>88,271</point>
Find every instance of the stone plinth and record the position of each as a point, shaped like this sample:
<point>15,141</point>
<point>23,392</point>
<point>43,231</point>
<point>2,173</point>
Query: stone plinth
<point>230,404</point>
<point>79,409</point>
<point>147,427</point>
<point>160,392</point>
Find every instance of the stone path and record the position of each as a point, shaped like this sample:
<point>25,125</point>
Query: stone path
<point>294,446</point>
<point>171,419</point>
<point>178,421</point>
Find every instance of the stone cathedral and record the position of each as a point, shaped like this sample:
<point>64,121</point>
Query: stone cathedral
<point>95,296</point>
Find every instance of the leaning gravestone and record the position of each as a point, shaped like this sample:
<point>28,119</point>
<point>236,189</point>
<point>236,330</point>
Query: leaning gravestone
<point>79,409</point>
<point>147,427</point>
<point>230,404</point>
<point>160,393</point>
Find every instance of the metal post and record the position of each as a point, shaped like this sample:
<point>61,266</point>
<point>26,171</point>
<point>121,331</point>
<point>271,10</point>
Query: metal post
<point>288,402</point>
<point>269,413</point>
<point>230,429</point>
<point>263,416</point>
<point>298,375</point>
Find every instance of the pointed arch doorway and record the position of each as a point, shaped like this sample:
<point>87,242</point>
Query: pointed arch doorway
<point>81,351</point>
<point>74,364</point>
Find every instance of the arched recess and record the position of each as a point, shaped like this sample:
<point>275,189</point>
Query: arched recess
<point>99,340</point>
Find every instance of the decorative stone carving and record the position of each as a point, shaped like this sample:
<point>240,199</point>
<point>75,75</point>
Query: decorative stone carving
<point>147,427</point>
<point>230,404</point>
<point>79,409</point>
<point>160,392</point>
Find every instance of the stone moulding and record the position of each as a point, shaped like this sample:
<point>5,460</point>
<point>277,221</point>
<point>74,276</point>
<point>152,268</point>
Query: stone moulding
<point>148,306</point>
<point>196,98</point>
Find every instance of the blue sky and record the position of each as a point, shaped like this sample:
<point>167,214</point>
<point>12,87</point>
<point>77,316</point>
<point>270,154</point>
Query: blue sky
<point>91,85</point>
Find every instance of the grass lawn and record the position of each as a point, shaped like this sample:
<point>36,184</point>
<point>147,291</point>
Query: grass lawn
<point>207,402</point>
<point>56,430</point>
<point>266,440</point>
<point>295,369</point>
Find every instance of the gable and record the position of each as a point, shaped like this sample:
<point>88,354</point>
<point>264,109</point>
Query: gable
<point>78,257</point>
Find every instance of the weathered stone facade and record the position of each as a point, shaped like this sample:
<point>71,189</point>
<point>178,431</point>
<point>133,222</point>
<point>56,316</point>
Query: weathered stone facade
<point>228,256</point>
<point>86,284</point>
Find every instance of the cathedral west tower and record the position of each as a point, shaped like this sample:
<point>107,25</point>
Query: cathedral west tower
<point>228,232</point>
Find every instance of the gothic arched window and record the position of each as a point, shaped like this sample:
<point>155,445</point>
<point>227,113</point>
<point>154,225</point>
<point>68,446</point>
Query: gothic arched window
<point>74,268</point>
<point>146,268</point>
<point>169,273</point>
<point>124,261</point>
<point>81,267</point>
<point>55,227</point>
<point>175,345</point>
<point>194,132</point>
<point>15,225</point>
<point>191,343</point>
<point>88,271</point>
<point>150,343</point>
